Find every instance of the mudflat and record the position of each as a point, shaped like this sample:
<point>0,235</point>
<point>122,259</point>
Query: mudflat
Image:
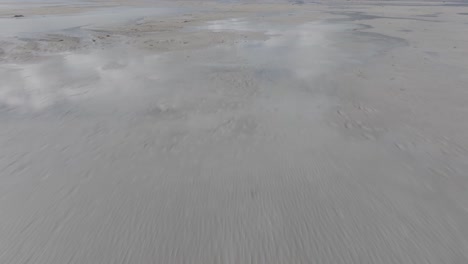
<point>233,132</point>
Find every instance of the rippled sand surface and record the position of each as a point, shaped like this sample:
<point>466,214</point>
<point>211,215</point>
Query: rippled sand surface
<point>232,132</point>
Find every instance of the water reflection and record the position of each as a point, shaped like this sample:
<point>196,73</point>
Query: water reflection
<point>305,50</point>
<point>233,24</point>
<point>289,59</point>
<point>116,72</point>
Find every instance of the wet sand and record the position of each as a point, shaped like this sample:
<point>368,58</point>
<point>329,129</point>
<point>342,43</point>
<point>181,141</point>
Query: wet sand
<point>207,132</point>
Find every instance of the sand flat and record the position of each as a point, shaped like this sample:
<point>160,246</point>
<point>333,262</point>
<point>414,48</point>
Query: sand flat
<point>229,132</point>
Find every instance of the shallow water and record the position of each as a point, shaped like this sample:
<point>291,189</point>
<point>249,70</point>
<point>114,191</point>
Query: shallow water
<point>295,55</point>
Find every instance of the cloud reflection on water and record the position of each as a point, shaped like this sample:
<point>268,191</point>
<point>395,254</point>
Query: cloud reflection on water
<point>290,55</point>
<point>116,72</point>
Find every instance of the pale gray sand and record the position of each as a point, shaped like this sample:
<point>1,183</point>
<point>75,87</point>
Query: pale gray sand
<point>237,133</point>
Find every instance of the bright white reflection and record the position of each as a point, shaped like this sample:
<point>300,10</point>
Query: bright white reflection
<point>115,72</point>
<point>233,24</point>
<point>305,50</point>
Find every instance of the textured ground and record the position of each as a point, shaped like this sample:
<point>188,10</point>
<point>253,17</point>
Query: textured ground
<point>204,132</point>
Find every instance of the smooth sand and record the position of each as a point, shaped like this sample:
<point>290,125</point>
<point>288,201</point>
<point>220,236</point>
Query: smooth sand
<point>203,132</point>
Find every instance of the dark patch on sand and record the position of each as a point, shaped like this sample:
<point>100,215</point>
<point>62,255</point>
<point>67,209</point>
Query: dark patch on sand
<point>356,16</point>
<point>430,15</point>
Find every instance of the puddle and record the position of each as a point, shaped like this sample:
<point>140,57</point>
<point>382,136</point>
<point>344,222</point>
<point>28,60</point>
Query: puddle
<point>304,50</point>
<point>241,25</point>
<point>128,80</point>
<point>100,17</point>
<point>59,79</point>
<point>233,24</point>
